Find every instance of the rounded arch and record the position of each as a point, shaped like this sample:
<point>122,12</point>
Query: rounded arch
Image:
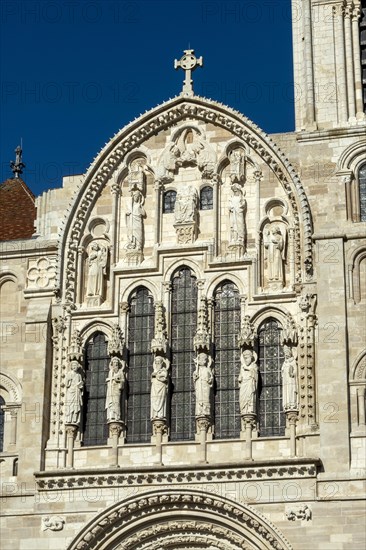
<point>221,279</point>
<point>12,386</point>
<point>134,285</point>
<point>179,263</point>
<point>352,157</point>
<point>156,519</point>
<point>6,276</point>
<point>358,371</point>
<point>161,118</point>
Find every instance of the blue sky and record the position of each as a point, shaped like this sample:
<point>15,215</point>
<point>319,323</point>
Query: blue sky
<point>73,72</point>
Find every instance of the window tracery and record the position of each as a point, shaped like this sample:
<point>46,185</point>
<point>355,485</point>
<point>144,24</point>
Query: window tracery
<point>206,198</point>
<point>169,201</point>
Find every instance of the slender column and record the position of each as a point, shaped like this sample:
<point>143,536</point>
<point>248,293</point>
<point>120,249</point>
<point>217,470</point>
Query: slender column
<point>249,424</point>
<point>159,429</point>
<point>115,430</point>
<point>361,406</point>
<point>216,207</point>
<point>13,426</point>
<point>116,193</point>
<point>203,424</point>
<point>79,293</point>
<point>71,431</point>
<point>349,62</point>
<point>291,257</point>
<point>360,115</point>
<point>158,211</point>
<point>340,65</point>
<point>292,417</point>
<point>310,96</point>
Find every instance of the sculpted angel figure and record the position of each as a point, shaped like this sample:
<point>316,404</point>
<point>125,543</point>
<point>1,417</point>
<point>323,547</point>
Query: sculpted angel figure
<point>159,387</point>
<point>237,208</point>
<point>289,381</point>
<point>115,384</point>
<point>74,394</point>
<point>186,204</point>
<point>203,379</point>
<point>134,219</point>
<point>248,383</point>
<point>97,269</point>
<point>275,245</point>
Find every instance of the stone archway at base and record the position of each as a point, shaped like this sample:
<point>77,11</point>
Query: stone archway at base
<point>173,519</point>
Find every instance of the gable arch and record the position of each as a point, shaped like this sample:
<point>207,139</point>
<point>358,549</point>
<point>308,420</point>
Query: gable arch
<point>146,520</point>
<point>160,118</point>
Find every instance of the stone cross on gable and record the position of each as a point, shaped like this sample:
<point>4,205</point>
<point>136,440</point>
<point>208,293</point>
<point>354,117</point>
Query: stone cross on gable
<point>188,63</point>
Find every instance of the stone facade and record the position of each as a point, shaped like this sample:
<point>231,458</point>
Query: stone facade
<point>194,189</point>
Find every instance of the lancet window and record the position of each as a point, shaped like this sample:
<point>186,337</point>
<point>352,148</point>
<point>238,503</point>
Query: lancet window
<point>140,360</point>
<point>271,357</point>
<point>183,328</point>
<point>206,198</point>
<point>95,428</point>
<point>227,361</point>
<point>169,201</point>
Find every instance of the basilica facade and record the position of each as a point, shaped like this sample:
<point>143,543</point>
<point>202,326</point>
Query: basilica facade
<point>183,336</point>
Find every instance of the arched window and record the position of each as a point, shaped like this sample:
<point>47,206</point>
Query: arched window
<point>271,357</point>
<point>183,328</point>
<point>227,361</point>
<point>2,423</point>
<point>206,198</point>
<point>169,202</point>
<point>362,191</point>
<point>96,371</point>
<point>140,360</point>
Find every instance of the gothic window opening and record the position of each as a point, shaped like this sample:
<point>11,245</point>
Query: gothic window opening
<point>140,361</point>
<point>169,201</point>
<point>206,198</point>
<point>227,361</point>
<point>96,371</point>
<point>183,328</point>
<point>362,191</point>
<point>2,423</point>
<point>271,356</point>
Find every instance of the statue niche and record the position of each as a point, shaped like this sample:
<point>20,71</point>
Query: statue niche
<point>275,252</point>
<point>237,210</point>
<point>97,260</point>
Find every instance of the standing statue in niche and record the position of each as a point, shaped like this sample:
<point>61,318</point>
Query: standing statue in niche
<point>134,220</point>
<point>115,384</point>
<point>248,383</point>
<point>159,387</point>
<point>275,243</point>
<point>186,204</point>
<point>289,381</point>
<point>237,208</point>
<point>97,269</point>
<point>237,165</point>
<point>74,394</point>
<point>203,379</point>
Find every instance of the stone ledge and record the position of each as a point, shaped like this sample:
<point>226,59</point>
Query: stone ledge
<point>296,468</point>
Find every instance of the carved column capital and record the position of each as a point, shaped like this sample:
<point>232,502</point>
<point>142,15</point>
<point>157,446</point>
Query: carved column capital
<point>71,430</point>
<point>203,423</point>
<point>159,426</point>
<point>115,428</point>
<point>124,307</point>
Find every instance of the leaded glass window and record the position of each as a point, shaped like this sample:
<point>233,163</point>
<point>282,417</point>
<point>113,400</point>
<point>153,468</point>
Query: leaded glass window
<point>183,328</point>
<point>227,361</point>
<point>2,423</point>
<point>169,201</point>
<point>271,357</point>
<point>96,371</point>
<point>140,360</point>
<point>362,192</point>
<point>206,198</point>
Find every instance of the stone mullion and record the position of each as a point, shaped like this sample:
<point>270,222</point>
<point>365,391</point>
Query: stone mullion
<point>349,62</point>
<point>357,62</point>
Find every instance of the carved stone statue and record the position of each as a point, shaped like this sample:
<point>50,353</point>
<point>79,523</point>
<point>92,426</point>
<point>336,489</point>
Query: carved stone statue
<point>168,163</point>
<point>53,523</point>
<point>159,387</point>
<point>289,381</point>
<point>97,269</point>
<point>247,333</point>
<point>237,165</point>
<point>115,384</point>
<point>275,242</point>
<point>186,204</point>
<point>203,379</point>
<point>237,208</point>
<point>248,383</point>
<point>134,219</point>
<point>74,394</point>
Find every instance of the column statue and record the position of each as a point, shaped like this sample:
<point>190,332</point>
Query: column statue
<point>98,256</point>
<point>203,379</point>
<point>159,387</point>
<point>237,208</point>
<point>134,220</point>
<point>275,243</point>
<point>289,381</point>
<point>115,384</point>
<point>248,383</point>
<point>74,394</point>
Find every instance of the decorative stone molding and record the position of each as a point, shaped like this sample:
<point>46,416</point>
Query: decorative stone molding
<point>116,341</point>
<point>12,386</point>
<point>291,469</point>
<point>160,509</point>
<point>149,124</point>
<point>75,351</point>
